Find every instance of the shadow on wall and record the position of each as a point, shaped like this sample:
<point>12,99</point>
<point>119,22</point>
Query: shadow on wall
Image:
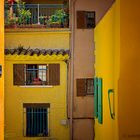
<point>102,6</point>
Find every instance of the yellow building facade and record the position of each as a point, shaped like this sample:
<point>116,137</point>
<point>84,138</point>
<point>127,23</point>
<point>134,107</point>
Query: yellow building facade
<point>107,68</point>
<point>2,74</point>
<point>54,97</point>
<point>117,64</point>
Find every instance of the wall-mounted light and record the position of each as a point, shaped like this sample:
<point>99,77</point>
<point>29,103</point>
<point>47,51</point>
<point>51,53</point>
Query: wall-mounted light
<point>0,70</point>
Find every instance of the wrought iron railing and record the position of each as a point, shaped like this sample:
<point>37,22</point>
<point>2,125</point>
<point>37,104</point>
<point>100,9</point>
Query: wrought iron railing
<point>33,14</point>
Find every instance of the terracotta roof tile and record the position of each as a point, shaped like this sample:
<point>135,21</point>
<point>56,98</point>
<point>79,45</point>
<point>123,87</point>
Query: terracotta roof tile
<point>31,52</point>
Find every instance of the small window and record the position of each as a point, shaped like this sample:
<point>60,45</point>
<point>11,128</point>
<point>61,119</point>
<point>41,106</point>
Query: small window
<point>85,19</point>
<point>85,86</point>
<point>36,74</point>
<point>36,120</point>
<point>89,86</point>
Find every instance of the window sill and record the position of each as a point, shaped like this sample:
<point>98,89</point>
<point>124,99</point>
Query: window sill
<point>40,138</point>
<point>26,86</point>
<point>48,30</point>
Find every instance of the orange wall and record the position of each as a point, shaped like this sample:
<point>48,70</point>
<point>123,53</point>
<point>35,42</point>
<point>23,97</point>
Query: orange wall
<point>126,64</point>
<point>129,82</point>
<point>1,78</point>
<point>107,67</point>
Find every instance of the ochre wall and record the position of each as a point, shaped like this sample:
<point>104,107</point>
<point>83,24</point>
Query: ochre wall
<point>117,49</point>
<point>15,96</point>
<point>129,82</point>
<point>50,40</point>
<point>107,52</point>
<point>83,68</point>
<point>2,63</point>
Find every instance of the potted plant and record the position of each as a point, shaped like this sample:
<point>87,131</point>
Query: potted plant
<point>11,3</point>
<point>23,14</point>
<point>18,17</point>
<point>58,19</point>
<point>10,17</point>
<point>10,22</point>
<point>37,81</point>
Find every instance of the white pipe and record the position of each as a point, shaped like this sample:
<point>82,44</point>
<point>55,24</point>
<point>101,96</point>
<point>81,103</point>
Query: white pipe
<point>38,14</point>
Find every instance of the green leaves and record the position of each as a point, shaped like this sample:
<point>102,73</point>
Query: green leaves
<point>23,14</point>
<point>59,17</point>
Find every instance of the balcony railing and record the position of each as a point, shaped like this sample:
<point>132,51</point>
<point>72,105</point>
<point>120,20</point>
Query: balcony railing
<point>39,15</point>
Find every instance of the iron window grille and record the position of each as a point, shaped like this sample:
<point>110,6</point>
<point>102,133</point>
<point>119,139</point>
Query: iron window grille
<point>36,74</point>
<point>36,120</point>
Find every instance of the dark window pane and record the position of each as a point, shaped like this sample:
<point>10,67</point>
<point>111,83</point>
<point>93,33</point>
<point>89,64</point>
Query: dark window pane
<point>36,122</point>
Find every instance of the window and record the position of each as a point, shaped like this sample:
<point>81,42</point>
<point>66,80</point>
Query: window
<point>36,120</point>
<point>85,19</point>
<point>36,74</point>
<point>85,86</point>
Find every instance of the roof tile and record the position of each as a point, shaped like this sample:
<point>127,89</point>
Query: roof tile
<point>37,51</point>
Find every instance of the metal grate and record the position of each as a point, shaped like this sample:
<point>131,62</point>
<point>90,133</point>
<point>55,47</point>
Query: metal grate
<point>36,74</point>
<point>40,13</point>
<point>36,121</point>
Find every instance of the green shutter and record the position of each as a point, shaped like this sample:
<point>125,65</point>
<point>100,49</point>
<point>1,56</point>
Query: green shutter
<point>100,105</point>
<point>96,97</point>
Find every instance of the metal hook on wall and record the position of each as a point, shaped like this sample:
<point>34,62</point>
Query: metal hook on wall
<point>112,113</point>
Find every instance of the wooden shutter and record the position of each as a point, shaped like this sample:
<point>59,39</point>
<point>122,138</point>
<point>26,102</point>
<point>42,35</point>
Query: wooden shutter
<point>54,74</point>
<point>18,74</point>
<point>81,20</point>
<point>81,87</point>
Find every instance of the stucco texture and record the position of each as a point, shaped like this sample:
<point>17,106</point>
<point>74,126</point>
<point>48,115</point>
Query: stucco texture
<point>107,67</point>
<point>2,63</point>
<point>17,95</point>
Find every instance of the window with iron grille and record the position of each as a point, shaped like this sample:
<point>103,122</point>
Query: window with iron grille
<point>85,19</point>
<point>36,122</point>
<point>36,74</point>
<point>85,86</point>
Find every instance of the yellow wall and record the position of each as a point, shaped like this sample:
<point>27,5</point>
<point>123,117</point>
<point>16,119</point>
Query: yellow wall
<point>129,82</point>
<point>16,96</point>
<point>1,78</point>
<point>50,40</point>
<point>118,63</point>
<point>107,68</point>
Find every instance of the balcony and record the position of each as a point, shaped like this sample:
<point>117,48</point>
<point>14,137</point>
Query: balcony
<point>21,15</point>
